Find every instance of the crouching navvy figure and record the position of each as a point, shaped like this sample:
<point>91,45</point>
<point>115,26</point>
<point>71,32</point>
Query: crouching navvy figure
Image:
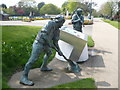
<point>46,39</point>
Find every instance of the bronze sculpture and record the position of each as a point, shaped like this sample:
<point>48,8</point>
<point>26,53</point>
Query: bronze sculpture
<point>78,20</point>
<point>46,39</point>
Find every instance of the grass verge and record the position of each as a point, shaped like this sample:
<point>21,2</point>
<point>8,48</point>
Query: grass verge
<point>83,83</point>
<point>113,23</point>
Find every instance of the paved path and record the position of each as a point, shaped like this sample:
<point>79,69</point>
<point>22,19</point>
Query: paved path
<point>119,60</point>
<point>102,65</point>
<point>32,23</point>
<point>87,29</point>
<point>106,42</point>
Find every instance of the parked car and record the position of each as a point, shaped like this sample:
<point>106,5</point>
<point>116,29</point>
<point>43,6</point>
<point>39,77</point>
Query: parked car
<point>115,17</point>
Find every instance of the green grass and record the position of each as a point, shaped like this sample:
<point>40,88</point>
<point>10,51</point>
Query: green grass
<point>0,57</point>
<point>18,33</point>
<point>90,42</point>
<point>16,49</point>
<point>83,83</point>
<point>113,23</point>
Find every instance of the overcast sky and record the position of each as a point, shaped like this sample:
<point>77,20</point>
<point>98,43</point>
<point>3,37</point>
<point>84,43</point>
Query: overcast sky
<point>56,2</point>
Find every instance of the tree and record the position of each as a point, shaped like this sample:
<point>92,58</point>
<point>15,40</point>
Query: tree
<point>94,13</point>
<point>3,6</point>
<point>40,5</point>
<point>72,6</point>
<point>28,6</point>
<point>50,9</point>
<point>20,4</point>
<point>9,10</point>
<point>27,3</point>
<point>90,7</point>
<point>19,11</point>
<point>27,10</point>
<point>108,8</point>
<point>64,7</point>
<point>118,12</point>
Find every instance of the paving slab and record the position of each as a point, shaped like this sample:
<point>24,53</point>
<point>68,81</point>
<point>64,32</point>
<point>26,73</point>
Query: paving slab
<point>59,75</point>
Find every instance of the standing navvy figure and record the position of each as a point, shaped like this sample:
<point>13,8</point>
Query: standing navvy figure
<point>46,39</point>
<point>78,20</point>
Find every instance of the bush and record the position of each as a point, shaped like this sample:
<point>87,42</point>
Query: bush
<point>90,42</point>
<point>14,56</point>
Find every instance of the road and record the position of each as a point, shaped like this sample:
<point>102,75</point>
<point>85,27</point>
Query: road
<point>87,29</point>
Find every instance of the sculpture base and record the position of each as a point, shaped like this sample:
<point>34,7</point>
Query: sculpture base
<point>58,76</point>
<point>67,50</point>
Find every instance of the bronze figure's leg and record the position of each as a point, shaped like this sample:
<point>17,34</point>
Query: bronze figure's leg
<point>46,56</point>
<point>36,51</point>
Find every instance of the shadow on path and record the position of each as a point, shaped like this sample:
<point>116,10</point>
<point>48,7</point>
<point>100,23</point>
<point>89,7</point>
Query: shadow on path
<point>95,58</point>
<point>94,61</point>
<point>103,83</point>
<point>93,51</point>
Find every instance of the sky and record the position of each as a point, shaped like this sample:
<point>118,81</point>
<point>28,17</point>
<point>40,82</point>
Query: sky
<point>56,2</point>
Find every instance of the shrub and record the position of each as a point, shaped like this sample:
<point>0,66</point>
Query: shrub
<point>90,42</point>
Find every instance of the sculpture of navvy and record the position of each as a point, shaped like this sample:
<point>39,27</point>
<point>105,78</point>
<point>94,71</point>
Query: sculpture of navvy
<point>47,38</point>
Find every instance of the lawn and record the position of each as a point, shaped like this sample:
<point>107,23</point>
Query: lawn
<point>16,49</point>
<point>18,33</point>
<point>83,83</point>
<point>113,23</point>
<point>0,57</point>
